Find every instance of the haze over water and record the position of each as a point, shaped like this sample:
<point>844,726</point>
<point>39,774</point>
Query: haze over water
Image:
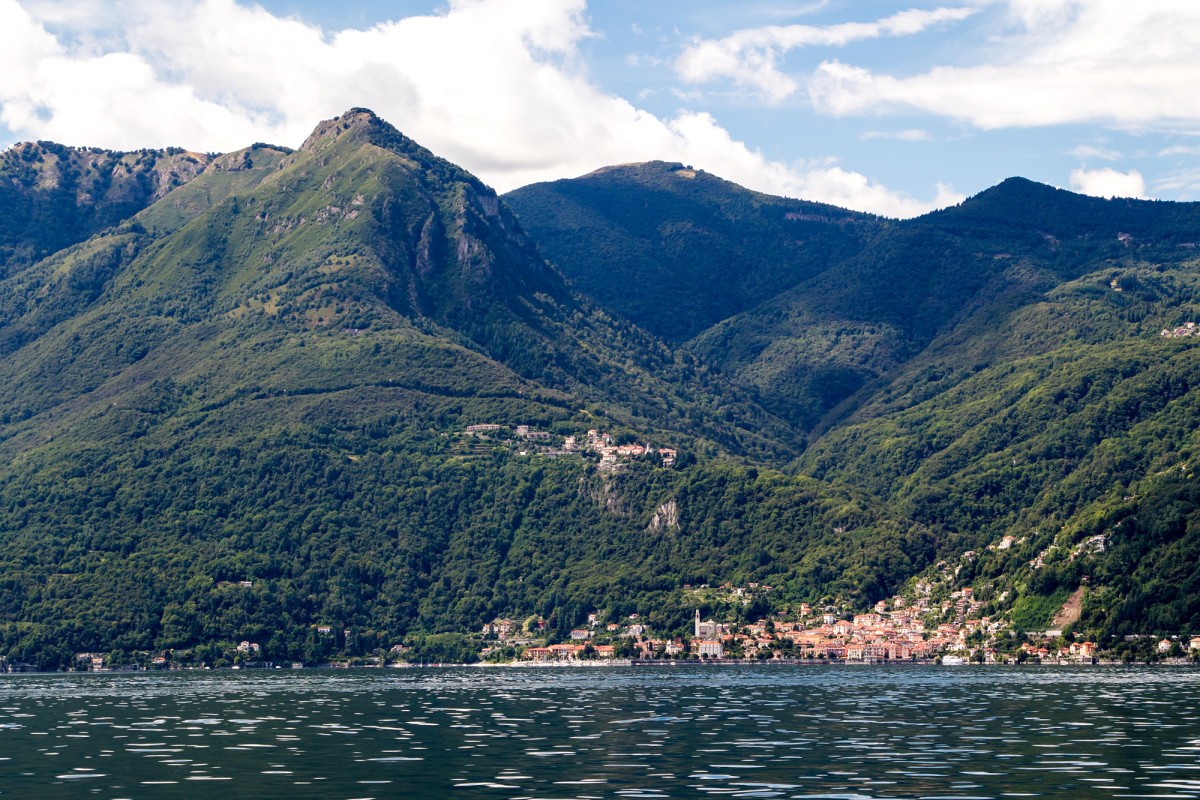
<point>807,732</point>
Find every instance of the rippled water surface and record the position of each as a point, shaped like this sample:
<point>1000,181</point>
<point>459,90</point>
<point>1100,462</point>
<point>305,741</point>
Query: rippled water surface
<point>808,732</point>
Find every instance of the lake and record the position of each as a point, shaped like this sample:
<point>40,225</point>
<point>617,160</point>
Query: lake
<point>832,731</point>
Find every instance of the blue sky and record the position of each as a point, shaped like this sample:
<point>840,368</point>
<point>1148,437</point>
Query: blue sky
<point>895,108</point>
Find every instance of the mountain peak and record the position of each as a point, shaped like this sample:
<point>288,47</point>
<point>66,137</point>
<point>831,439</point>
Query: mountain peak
<point>354,123</point>
<point>363,125</point>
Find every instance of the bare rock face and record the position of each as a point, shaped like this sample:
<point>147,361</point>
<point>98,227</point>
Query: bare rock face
<point>665,517</point>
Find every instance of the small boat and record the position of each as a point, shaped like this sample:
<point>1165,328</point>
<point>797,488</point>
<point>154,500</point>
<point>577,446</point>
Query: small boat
<point>953,661</point>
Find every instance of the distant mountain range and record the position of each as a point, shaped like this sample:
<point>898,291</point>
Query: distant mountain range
<point>259,367</point>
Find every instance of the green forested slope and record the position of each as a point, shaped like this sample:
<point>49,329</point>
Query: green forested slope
<point>947,280</point>
<point>1083,425</point>
<point>383,529</point>
<point>677,250</point>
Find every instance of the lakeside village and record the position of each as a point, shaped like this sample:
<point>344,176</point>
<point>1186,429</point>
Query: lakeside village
<point>923,630</point>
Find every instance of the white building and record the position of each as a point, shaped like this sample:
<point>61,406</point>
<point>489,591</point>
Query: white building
<point>705,630</point>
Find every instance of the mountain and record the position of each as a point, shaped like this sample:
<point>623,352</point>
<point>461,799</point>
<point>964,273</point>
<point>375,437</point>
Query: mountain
<point>240,402</point>
<point>677,250</point>
<point>995,369</point>
<point>264,377</point>
<point>923,284</point>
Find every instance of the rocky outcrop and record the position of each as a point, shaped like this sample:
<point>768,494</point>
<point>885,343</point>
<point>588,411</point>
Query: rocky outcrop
<point>665,517</point>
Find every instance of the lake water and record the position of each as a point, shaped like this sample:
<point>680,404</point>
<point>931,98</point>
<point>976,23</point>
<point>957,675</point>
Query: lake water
<point>807,732</point>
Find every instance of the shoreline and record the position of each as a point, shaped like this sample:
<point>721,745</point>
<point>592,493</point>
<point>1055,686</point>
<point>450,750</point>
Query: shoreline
<point>615,664</point>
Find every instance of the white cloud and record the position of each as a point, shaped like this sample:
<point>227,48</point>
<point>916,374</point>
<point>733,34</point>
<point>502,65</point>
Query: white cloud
<point>1180,150</point>
<point>217,75</point>
<point>750,57</point>
<point>908,135</point>
<point>1107,182</point>
<point>1184,184</point>
<point>1128,64</point>
<point>1086,151</point>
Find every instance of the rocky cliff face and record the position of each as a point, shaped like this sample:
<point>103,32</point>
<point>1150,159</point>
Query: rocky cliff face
<point>665,517</point>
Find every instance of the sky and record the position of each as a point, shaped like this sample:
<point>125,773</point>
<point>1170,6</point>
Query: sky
<point>896,108</point>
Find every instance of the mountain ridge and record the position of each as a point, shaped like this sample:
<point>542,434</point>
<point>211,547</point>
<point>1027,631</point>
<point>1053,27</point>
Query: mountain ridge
<point>267,375</point>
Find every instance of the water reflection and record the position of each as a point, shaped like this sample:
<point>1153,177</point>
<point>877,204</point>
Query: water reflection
<point>796,732</point>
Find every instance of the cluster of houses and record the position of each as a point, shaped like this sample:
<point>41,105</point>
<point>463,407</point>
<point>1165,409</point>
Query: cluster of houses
<point>1076,651</point>
<point>1188,329</point>
<point>611,456</point>
<point>892,632</point>
<point>99,662</point>
<point>568,652</point>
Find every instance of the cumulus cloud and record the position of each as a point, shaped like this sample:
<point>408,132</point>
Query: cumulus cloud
<point>1108,182</point>
<point>1128,64</point>
<point>217,75</point>
<point>751,57</point>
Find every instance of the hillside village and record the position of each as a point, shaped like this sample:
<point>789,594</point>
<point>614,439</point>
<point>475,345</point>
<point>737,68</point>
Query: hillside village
<point>1184,331</point>
<point>529,441</point>
<point>894,632</point>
